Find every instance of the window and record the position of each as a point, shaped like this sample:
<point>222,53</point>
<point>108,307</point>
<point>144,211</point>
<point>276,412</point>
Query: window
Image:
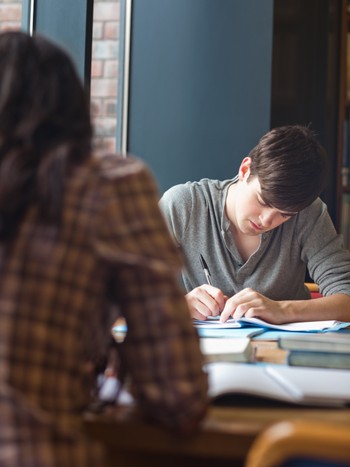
<point>104,71</point>
<point>10,14</point>
<point>106,64</point>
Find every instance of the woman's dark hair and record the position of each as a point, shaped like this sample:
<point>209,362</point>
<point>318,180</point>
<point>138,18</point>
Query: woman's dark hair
<point>291,167</point>
<point>45,127</point>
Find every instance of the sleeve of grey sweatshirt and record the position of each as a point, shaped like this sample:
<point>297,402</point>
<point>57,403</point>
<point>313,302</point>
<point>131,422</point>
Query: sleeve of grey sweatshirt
<point>176,205</point>
<point>322,250</point>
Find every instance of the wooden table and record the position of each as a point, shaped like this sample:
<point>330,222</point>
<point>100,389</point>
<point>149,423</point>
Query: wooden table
<point>223,440</point>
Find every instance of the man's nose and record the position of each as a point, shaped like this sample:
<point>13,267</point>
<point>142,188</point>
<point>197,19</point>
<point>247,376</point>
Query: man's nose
<point>267,217</point>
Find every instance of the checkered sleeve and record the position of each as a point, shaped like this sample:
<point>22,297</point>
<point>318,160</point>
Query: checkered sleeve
<point>161,350</point>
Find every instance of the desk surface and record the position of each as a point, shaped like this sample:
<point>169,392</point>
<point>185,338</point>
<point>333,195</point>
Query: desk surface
<point>224,438</point>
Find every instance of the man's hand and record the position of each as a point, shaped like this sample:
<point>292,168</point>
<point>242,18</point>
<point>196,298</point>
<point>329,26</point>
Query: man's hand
<point>205,301</point>
<point>252,304</point>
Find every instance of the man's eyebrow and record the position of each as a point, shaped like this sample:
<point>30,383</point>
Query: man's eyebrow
<point>290,214</point>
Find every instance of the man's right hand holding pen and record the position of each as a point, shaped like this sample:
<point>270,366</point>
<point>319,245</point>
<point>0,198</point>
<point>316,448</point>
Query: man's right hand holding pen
<point>207,300</point>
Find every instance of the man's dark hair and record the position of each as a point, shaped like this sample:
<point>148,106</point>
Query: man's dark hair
<point>291,167</point>
<point>45,127</point>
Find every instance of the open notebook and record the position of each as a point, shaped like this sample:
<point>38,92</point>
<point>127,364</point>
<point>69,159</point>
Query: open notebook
<point>251,384</point>
<point>307,326</point>
<point>273,382</point>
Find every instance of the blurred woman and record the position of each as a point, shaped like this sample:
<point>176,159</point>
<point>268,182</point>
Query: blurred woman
<point>82,241</point>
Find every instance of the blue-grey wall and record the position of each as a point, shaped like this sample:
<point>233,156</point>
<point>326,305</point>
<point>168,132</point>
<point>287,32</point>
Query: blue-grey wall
<point>200,83</point>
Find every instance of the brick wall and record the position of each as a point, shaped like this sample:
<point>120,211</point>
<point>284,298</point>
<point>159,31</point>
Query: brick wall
<point>104,66</point>
<point>104,70</point>
<point>10,14</point>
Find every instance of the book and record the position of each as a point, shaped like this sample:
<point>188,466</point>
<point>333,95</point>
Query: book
<point>227,349</point>
<point>229,332</point>
<point>307,326</point>
<point>324,342</point>
<point>329,350</point>
<point>319,359</point>
<point>214,323</point>
<point>278,383</point>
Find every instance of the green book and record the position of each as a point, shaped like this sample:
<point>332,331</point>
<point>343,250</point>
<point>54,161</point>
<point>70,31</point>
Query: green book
<point>319,359</point>
<point>335,342</point>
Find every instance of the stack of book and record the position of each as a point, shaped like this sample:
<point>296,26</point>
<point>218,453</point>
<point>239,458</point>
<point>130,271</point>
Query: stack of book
<point>323,350</point>
<point>227,349</point>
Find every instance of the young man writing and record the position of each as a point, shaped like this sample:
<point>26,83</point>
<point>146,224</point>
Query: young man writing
<point>259,233</point>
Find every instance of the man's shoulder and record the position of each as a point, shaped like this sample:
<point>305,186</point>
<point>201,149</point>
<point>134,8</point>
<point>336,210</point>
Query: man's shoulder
<point>200,189</point>
<point>315,209</point>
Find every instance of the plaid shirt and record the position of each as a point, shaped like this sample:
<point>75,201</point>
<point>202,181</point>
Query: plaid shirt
<point>60,291</point>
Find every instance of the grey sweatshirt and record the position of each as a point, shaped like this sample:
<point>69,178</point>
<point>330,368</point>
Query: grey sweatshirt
<point>195,213</point>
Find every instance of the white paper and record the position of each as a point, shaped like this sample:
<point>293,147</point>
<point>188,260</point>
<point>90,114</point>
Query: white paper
<point>306,326</point>
<point>304,386</point>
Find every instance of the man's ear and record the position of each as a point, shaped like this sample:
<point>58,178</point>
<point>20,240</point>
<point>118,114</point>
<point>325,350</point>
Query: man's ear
<point>244,169</point>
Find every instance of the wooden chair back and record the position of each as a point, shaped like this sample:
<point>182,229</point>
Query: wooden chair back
<point>301,443</point>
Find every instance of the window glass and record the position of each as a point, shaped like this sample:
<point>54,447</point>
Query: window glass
<point>104,66</point>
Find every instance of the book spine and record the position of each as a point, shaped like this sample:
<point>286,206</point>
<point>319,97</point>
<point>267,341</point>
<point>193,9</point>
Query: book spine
<point>319,359</point>
<point>310,346</point>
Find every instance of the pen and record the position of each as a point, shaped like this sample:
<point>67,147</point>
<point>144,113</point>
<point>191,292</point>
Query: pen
<point>206,270</point>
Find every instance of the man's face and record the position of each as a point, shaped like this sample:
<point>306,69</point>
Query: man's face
<point>246,209</point>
